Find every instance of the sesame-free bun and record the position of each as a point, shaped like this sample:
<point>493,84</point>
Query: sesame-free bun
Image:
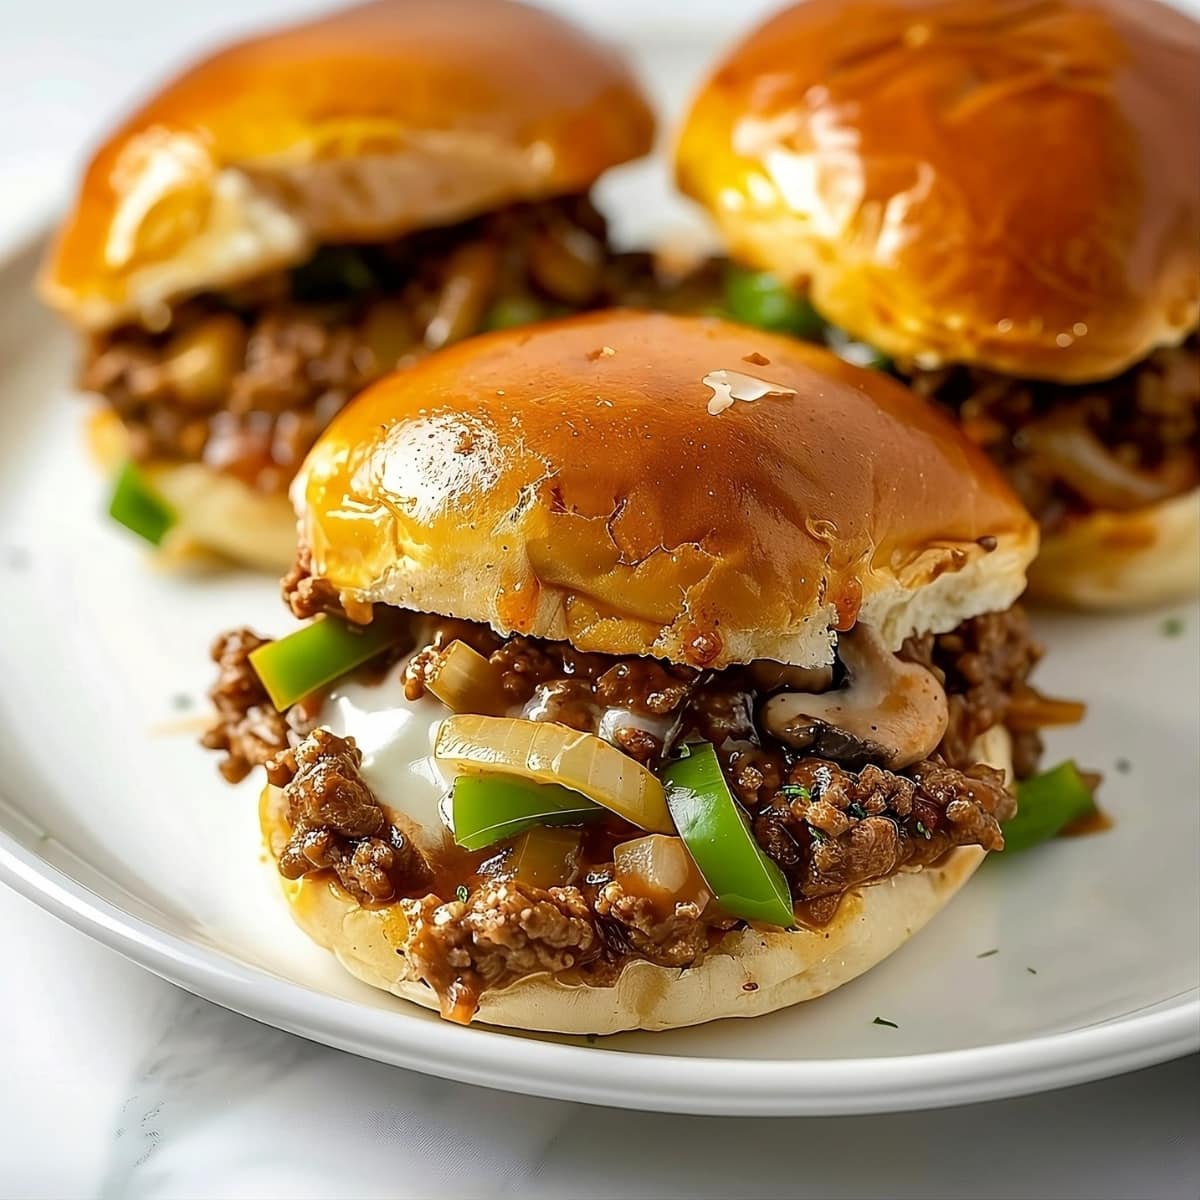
<point>585,480</point>
<point>1006,183</point>
<point>216,513</point>
<point>357,126</point>
<point>784,968</point>
<point>1122,560</point>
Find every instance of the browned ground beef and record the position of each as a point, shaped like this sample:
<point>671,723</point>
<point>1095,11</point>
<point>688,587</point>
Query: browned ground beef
<point>831,826</point>
<point>503,931</point>
<point>247,729</point>
<point>1068,449</point>
<point>338,825</point>
<point>831,829</point>
<point>246,381</point>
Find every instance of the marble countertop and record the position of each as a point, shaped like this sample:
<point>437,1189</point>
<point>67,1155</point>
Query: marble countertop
<point>117,1084</point>
<point>120,1086</point>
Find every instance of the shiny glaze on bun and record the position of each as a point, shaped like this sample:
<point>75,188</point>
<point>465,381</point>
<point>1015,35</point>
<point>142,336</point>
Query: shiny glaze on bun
<point>363,124</point>
<point>1012,183</point>
<point>649,484</point>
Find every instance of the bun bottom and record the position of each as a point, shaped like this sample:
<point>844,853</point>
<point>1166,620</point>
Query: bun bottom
<point>218,514</point>
<point>1123,560</point>
<point>748,973</point>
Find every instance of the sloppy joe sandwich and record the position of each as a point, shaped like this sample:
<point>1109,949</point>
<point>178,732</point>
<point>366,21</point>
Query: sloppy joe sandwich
<point>656,669</point>
<point>291,217</point>
<point>1000,202</point>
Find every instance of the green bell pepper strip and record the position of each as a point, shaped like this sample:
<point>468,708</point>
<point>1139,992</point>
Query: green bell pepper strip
<point>490,808</point>
<point>138,507</point>
<point>761,299</point>
<point>297,665</point>
<point>1046,804</point>
<point>742,879</point>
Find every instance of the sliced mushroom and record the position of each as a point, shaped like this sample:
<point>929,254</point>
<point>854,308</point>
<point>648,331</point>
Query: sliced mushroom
<point>889,711</point>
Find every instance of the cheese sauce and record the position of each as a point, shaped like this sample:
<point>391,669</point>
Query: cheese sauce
<point>395,736</point>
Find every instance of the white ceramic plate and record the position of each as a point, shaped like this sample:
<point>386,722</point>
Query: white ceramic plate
<point>1073,962</point>
<point>112,818</point>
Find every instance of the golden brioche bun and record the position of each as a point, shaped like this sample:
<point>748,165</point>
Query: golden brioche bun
<point>357,126</point>
<point>217,513</point>
<point>1120,560</point>
<point>785,968</point>
<point>1003,183</point>
<point>572,481</point>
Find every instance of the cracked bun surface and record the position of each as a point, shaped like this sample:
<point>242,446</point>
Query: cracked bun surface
<point>361,125</point>
<point>1012,184</point>
<point>683,487</point>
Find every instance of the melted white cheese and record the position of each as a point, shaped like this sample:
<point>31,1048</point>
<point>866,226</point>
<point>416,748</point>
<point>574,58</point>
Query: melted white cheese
<point>395,736</point>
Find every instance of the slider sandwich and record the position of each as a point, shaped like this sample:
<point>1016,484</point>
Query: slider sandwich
<point>294,215</point>
<point>655,669</point>
<point>1000,203</point>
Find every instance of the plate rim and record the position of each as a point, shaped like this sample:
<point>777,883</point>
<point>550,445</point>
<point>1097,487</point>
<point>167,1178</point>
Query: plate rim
<point>664,1083</point>
<point>661,1082</point>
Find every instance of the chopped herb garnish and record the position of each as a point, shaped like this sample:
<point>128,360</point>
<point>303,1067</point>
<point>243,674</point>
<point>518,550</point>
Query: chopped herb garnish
<point>1031,970</point>
<point>817,835</point>
<point>1172,627</point>
<point>856,811</point>
<point>988,953</point>
<point>923,831</point>
<point>461,892</point>
<point>794,791</point>
<point>884,1021</point>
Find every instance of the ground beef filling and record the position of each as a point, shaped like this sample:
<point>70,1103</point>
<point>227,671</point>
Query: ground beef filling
<point>1070,449</point>
<point>244,382</point>
<point>338,825</point>
<point>831,826</point>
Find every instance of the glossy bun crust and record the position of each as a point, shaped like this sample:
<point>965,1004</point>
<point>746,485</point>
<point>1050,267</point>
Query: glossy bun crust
<point>785,968</point>
<point>581,480</point>
<point>1012,183</point>
<point>357,126</point>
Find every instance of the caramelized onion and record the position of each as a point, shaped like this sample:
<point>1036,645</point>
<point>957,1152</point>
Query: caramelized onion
<point>1030,712</point>
<point>1068,449</point>
<point>548,753</point>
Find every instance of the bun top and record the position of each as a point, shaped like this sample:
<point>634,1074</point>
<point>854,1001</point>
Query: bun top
<point>1011,183</point>
<point>358,126</point>
<point>639,483</point>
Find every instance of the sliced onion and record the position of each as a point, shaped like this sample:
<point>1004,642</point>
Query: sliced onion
<point>1065,444</point>
<point>546,857</point>
<point>549,753</point>
<point>465,682</point>
<point>661,869</point>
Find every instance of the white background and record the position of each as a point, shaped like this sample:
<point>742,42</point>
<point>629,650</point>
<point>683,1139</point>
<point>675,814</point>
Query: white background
<point>116,1084</point>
